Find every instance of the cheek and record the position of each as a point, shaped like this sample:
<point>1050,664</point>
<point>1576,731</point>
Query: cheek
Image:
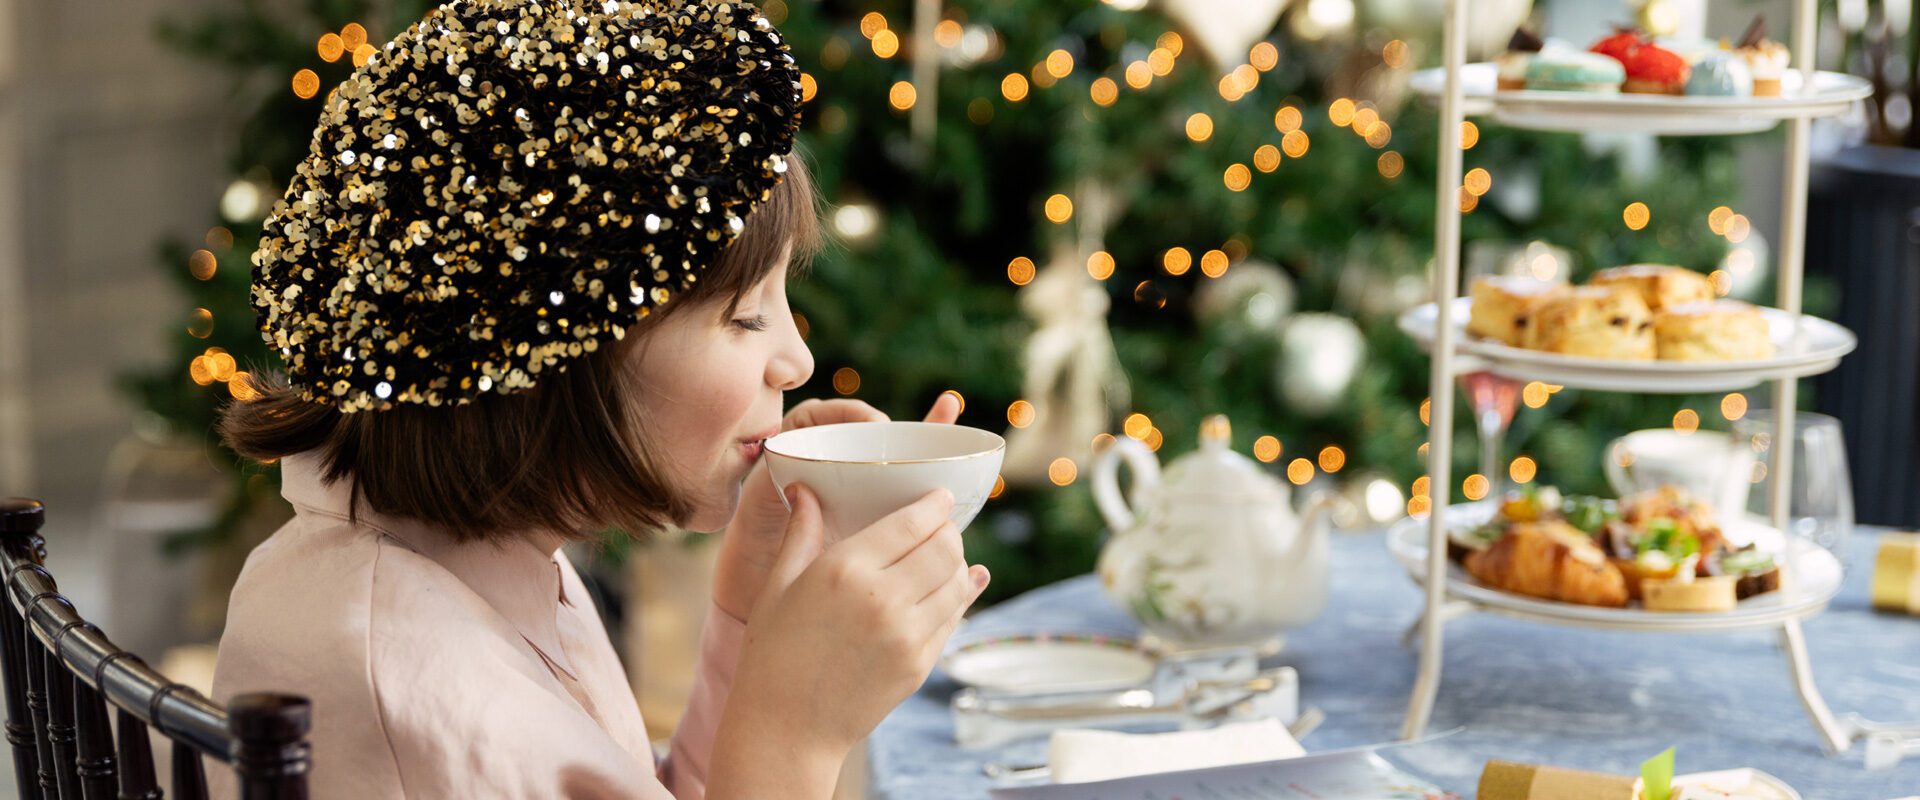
<point>695,397</point>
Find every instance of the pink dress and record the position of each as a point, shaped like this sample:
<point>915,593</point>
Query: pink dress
<point>441,669</point>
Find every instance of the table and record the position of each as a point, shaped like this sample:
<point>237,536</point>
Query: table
<point>1521,691</point>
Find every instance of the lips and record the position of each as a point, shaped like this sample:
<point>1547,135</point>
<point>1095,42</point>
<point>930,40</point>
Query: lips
<point>752,446</point>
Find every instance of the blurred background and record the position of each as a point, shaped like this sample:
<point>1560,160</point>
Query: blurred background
<point>1090,219</point>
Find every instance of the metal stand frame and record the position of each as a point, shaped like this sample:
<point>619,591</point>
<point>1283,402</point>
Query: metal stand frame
<point>1836,735</point>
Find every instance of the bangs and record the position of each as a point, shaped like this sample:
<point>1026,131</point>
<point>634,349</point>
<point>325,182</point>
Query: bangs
<point>791,213</point>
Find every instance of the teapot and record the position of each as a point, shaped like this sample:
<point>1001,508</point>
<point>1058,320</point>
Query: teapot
<point>1211,555</point>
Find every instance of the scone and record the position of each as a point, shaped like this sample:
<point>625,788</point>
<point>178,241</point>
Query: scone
<point>1593,322</point>
<point>1714,330</point>
<point>1660,285</point>
<point>1504,304</point>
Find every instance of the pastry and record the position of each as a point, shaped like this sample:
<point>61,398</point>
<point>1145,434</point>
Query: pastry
<point>1713,330</point>
<point>1766,58</point>
<point>1694,49</point>
<point>1593,322</point>
<point>1720,75</point>
<point>1652,69</point>
<point>1649,566</point>
<point>1660,285</point>
<point>1620,44</point>
<point>1553,560</point>
<point>1504,304</point>
<point>1754,571</point>
<point>1511,66</point>
<point>1573,71</point>
<point>1697,594</point>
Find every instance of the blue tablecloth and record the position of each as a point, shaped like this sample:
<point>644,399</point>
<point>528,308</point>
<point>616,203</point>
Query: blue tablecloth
<point>1522,691</point>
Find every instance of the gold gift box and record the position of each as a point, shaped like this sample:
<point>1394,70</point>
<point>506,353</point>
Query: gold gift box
<point>1896,574</point>
<point>1508,780</point>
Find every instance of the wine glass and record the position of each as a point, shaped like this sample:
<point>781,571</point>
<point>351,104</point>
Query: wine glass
<point>1494,398</point>
<point>1820,495</point>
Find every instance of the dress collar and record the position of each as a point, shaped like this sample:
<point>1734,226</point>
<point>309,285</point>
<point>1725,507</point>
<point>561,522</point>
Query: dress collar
<point>516,577</point>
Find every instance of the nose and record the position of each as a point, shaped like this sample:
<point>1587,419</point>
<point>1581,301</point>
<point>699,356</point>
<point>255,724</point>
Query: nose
<point>792,364</point>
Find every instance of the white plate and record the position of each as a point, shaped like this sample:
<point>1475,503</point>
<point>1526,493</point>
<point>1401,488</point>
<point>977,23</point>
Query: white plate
<point>1812,579</point>
<point>1803,345</point>
<point>1673,115</point>
<point>1049,662</point>
<point>1730,780</point>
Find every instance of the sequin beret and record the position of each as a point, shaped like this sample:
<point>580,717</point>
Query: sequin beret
<point>510,184</point>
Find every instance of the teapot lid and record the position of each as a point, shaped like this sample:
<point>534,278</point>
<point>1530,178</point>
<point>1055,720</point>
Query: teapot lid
<point>1215,469</point>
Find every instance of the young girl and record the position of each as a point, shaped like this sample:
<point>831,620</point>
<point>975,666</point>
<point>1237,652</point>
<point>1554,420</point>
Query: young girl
<point>529,284</point>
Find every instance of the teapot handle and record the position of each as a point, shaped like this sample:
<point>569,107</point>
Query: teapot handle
<point>1106,481</point>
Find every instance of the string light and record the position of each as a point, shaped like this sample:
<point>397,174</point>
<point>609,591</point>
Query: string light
<point>1267,449</point>
<point>1390,164</point>
<point>1733,406</point>
<point>1136,426</point>
<point>1341,112</point>
<point>1294,144</point>
<point>1534,394</point>
<point>1059,63</point>
<point>202,264</point>
<point>1636,215</point>
<point>902,95</point>
<point>363,54</point>
<point>1104,91</point>
<point>1468,201</point>
<point>1299,471</point>
<point>846,380</point>
<point>353,35</point>
<point>1139,75</point>
<point>1059,208</point>
<point>1266,158</point>
<point>1014,87</point>
<point>330,47</point>
<point>1426,411</point>
<point>1394,54</point>
<point>1213,263</point>
<point>1264,56</point>
<point>1171,42</point>
<point>1199,126</point>
<point>1379,135</point>
<point>1522,470</point>
<point>241,388</point>
<point>222,362</point>
<point>1332,458</point>
<point>886,44</point>
<point>200,369</point>
<point>1020,270</point>
<point>1738,227</point>
<point>1021,414</point>
<point>1364,118</point>
<point>1469,134</point>
<point>1686,420</point>
<point>1062,471</point>
<point>1418,506</point>
<point>1717,220</point>
<point>1176,261</point>
<point>872,23</point>
<point>1475,486</point>
<point>1237,177</point>
<point>306,84</point>
<point>1100,265</point>
<point>1287,119</point>
<point>948,33</point>
<point>1478,181</point>
<point>1160,61</point>
<point>1421,485</point>
<point>808,87</point>
<point>1154,440</point>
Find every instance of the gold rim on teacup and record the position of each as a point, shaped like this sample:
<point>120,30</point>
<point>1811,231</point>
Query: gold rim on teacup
<point>1000,443</point>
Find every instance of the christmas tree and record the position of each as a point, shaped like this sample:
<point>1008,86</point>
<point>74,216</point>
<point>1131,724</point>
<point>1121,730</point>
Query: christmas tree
<point>1093,219</point>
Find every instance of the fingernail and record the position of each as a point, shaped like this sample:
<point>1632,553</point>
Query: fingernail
<point>980,578</point>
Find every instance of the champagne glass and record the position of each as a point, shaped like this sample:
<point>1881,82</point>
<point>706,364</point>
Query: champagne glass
<point>1494,398</point>
<point>1820,495</point>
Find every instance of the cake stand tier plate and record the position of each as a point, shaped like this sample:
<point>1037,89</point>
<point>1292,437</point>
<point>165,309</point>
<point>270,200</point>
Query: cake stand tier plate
<point>1812,579</point>
<point>1831,94</point>
<point>1803,345</point>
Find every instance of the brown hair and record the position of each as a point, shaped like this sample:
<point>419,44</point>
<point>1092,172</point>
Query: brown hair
<point>566,456</point>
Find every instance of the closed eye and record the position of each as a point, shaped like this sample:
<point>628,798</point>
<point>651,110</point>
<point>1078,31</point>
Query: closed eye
<point>753,323</point>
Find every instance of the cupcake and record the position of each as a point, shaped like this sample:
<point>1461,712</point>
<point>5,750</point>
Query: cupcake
<point>1766,59</point>
<point>1574,71</point>
<point>1720,75</point>
<point>1652,69</point>
<point>1512,65</point>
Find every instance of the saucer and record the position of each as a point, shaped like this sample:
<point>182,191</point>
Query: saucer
<point>1031,663</point>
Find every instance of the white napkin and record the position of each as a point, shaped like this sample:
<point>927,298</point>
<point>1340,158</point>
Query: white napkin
<point>1080,756</point>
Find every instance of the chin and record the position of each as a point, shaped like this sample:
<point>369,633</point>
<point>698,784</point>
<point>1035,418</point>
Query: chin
<point>713,512</point>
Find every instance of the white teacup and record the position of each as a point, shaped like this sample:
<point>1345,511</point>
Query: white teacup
<point>862,471</point>
<point>1711,466</point>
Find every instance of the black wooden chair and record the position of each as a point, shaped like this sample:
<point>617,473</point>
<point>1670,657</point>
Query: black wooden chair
<point>61,674</point>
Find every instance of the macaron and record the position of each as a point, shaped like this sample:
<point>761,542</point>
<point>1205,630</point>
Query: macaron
<point>1720,75</point>
<point>1574,71</point>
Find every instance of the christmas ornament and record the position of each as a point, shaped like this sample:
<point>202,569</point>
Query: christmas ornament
<point>510,184</point>
<point>1368,500</point>
<point>1490,22</point>
<point>1254,297</point>
<point>1225,29</point>
<point>1320,354</point>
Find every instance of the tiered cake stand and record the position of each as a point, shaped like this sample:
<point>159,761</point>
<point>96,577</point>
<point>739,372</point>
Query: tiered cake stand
<point>1806,346</point>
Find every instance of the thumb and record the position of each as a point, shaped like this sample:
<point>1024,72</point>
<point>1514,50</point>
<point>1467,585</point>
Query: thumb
<point>805,538</point>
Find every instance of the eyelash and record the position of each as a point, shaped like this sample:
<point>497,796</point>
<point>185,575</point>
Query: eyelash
<point>756,323</point>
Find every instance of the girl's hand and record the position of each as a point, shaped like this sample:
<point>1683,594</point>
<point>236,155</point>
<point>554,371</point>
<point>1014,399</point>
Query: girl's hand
<point>836,641</point>
<point>753,537</point>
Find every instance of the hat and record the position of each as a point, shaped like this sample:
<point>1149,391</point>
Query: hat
<point>510,184</point>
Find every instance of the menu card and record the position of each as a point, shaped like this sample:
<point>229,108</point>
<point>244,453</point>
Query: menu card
<point>1357,774</point>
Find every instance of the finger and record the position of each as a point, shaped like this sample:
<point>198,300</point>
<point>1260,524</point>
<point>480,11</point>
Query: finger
<point>804,539</point>
<point>921,572</point>
<point>946,409</point>
<point>975,579</point>
<point>897,534</point>
<point>829,412</point>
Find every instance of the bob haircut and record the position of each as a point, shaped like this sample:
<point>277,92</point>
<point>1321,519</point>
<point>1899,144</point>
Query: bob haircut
<point>568,455</point>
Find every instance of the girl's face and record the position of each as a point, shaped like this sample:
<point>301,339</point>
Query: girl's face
<point>710,387</point>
